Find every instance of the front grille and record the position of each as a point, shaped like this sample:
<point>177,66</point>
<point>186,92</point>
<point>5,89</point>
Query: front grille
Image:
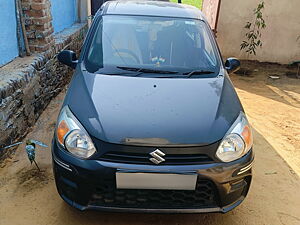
<point>171,159</point>
<point>205,195</point>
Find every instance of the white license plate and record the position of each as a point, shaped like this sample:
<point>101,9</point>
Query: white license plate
<point>156,181</point>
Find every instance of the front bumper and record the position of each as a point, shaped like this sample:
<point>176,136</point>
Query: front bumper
<point>90,184</point>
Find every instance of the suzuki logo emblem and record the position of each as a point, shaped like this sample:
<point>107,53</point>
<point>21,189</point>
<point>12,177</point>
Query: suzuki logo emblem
<point>157,156</point>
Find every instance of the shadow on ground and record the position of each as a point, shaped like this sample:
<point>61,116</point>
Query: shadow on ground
<point>285,90</point>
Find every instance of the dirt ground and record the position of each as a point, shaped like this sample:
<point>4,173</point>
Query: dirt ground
<point>273,108</point>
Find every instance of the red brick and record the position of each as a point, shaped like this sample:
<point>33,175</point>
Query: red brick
<point>40,1</point>
<point>41,20</point>
<point>38,6</point>
<point>39,28</point>
<point>32,48</point>
<point>42,48</point>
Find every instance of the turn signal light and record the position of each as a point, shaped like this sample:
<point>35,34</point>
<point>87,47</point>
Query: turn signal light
<point>62,130</point>
<point>247,135</point>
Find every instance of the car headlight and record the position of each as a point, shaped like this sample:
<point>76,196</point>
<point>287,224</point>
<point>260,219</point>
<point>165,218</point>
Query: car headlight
<point>71,135</point>
<point>237,141</point>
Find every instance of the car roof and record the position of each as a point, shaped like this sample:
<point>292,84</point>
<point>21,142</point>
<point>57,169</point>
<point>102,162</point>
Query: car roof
<point>150,8</point>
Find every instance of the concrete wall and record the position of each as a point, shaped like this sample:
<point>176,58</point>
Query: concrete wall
<point>64,14</point>
<point>82,13</point>
<point>281,38</point>
<point>8,31</point>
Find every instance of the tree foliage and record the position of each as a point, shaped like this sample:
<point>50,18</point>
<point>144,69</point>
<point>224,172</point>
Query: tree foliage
<point>253,33</point>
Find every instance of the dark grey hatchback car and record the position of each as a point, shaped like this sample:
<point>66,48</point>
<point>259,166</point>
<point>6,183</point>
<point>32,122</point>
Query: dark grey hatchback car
<point>151,121</point>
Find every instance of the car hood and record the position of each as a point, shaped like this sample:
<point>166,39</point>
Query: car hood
<point>153,111</point>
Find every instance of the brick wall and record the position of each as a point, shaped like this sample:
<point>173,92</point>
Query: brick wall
<point>38,23</point>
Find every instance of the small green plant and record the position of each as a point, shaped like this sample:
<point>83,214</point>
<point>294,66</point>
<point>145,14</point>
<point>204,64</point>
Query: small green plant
<point>253,34</point>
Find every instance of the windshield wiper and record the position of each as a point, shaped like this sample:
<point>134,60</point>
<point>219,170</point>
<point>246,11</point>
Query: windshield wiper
<point>145,70</point>
<point>198,72</point>
<point>121,73</point>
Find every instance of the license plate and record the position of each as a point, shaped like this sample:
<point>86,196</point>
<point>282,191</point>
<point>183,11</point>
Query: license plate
<point>156,181</point>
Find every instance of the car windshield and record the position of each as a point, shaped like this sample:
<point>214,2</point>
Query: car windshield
<point>145,45</point>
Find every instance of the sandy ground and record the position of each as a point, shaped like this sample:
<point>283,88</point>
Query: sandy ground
<point>273,108</point>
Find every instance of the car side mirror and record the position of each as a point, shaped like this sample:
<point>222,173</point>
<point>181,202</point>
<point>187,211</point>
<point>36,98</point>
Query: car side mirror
<point>68,58</point>
<point>232,65</point>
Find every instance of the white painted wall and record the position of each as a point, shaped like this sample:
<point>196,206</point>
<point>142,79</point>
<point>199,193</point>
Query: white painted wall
<point>281,38</point>
<point>84,11</point>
